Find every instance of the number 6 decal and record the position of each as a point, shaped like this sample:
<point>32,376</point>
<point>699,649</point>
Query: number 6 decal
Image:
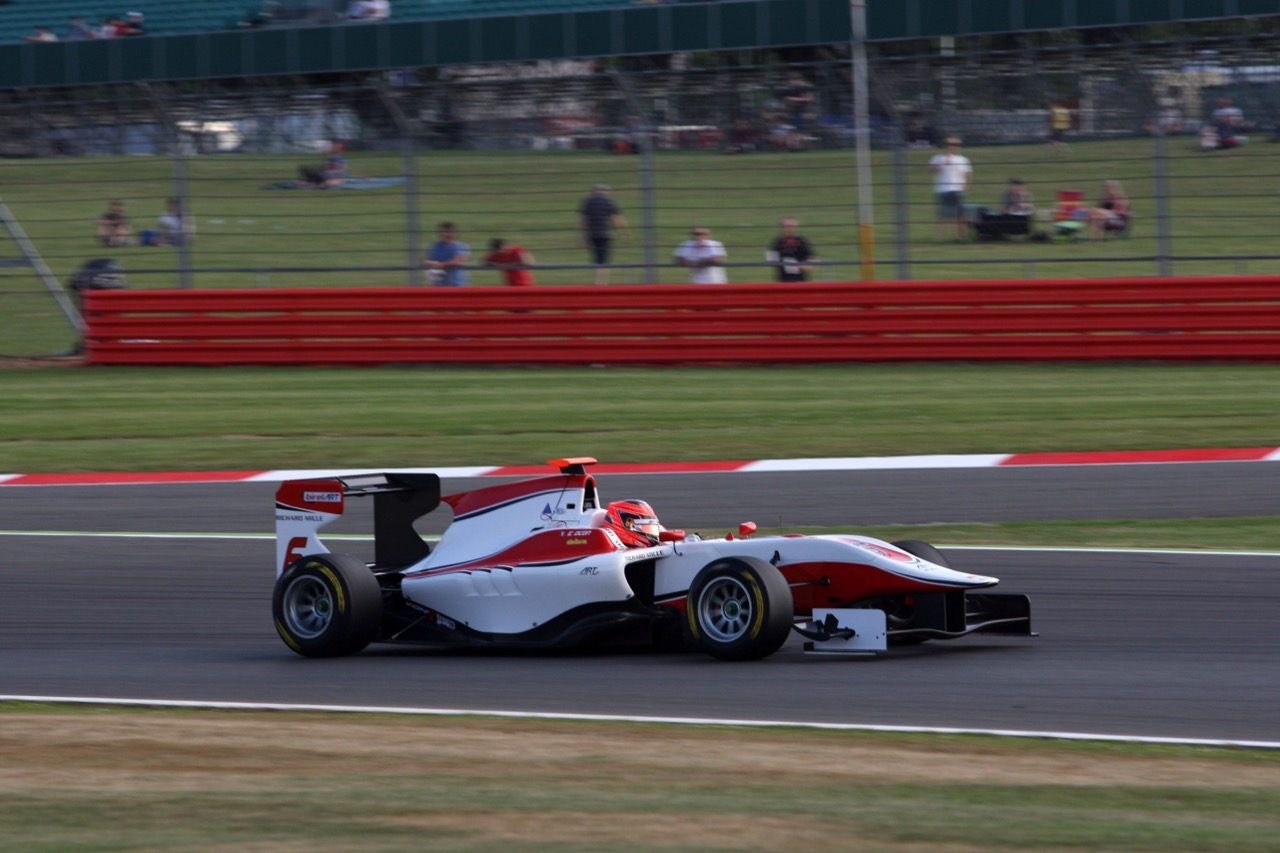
<point>296,548</point>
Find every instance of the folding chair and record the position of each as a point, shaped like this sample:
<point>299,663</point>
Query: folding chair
<point>1069,214</point>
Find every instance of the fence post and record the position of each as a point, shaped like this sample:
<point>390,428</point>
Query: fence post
<point>409,157</point>
<point>180,189</point>
<point>648,204</point>
<point>1164,220</point>
<point>862,140</point>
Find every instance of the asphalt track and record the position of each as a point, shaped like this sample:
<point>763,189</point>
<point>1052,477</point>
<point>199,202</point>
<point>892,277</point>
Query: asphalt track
<point>1140,644</point>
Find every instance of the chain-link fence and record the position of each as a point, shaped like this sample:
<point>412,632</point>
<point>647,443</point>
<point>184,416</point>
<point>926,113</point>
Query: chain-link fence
<point>225,184</point>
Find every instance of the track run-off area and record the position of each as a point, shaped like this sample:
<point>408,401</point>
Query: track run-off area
<point>159,593</point>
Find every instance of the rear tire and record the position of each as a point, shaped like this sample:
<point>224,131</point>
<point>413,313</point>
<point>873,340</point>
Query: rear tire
<point>740,609</point>
<point>327,605</point>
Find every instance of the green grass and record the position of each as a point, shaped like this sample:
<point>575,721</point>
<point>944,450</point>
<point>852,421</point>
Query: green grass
<point>125,419</point>
<point>1223,206</point>
<point>152,780</point>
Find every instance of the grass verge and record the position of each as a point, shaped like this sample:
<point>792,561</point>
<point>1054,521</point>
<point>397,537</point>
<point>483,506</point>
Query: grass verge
<point>107,780</point>
<point>137,419</point>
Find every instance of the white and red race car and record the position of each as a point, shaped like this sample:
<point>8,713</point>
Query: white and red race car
<point>544,563</point>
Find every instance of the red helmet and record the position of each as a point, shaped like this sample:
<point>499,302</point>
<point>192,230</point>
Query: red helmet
<point>635,522</point>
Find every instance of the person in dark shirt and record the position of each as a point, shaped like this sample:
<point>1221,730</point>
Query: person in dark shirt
<point>791,252</point>
<point>113,226</point>
<point>599,217</point>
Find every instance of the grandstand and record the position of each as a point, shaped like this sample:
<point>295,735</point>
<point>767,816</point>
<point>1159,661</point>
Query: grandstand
<point>164,17</point>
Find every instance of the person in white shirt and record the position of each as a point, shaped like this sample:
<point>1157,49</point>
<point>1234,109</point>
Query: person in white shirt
<point>369,10</point>
<point>951,173</point>
<point>704,256</point>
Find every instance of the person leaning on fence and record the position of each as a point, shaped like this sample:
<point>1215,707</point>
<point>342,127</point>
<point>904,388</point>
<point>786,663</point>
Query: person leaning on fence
<point>599,216</point>
<point>704,256</point>
<point>790,251</point>
<point>113,226</point>
<point>514,261</point>
<point>951,173</point>
<point>447,259</point>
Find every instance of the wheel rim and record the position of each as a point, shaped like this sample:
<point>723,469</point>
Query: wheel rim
<point>308,607</point>
<point>725,609</point>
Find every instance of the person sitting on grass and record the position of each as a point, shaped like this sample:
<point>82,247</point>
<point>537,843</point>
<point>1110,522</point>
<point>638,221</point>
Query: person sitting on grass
<point>1111,212</point>
<point>113,226</point>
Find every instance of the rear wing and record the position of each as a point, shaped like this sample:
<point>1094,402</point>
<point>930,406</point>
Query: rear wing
<point>304,507</point>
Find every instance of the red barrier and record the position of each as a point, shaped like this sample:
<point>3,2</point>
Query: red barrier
<point>1067,319</point>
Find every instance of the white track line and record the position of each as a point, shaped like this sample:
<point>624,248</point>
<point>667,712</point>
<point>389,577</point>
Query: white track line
<point>622,718</point>
<point>878,463</point>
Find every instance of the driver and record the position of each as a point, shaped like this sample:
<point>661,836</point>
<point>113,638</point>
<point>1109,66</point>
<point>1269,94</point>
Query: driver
<point>635,522</point>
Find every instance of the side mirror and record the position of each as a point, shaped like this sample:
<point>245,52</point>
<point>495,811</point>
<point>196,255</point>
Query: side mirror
<point>670,535</point>
<point>746,528</point>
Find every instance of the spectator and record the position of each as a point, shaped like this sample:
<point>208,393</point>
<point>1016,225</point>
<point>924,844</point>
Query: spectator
<point>113,226</point>
<point>1228,121</point>
<point>798,96</point>
<point>1059,125</point>
<point>951,172</point>
<point>785,137</point>
<point>741,137</point>
<point>1209,139</point>
<point>446,261</point>
<point>42,34</point>
<point>335,170</point>
<point>599,218</point>
<point>331,174</point>
<point>176,228</point>
<point>920,134</point>
<point>133,25</point>
<point>109,27</point>
<point>78,30</point>
<point>704,256</point>
<point>790,252</point>
<point>1017,199</point>
<point>369,10</point>
<point>1111,212</point>
<point>514,262</point>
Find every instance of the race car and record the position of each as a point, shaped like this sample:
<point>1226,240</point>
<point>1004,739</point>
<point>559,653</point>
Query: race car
<point>544,563</point>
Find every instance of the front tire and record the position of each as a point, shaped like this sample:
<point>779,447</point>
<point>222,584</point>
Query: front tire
<point>740,609</point>
<point>327,605</point>
<point>924,551</point>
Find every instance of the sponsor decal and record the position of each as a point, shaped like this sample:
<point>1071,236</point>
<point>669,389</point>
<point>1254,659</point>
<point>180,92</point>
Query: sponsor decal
<point>549,514</point>
<point>298,516</point>
<point>890,553</point>
<point>590,570</point>
<point>576,541</point>
<point>647,554</point>
<point>322,497</point>
<point>294,550</point>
